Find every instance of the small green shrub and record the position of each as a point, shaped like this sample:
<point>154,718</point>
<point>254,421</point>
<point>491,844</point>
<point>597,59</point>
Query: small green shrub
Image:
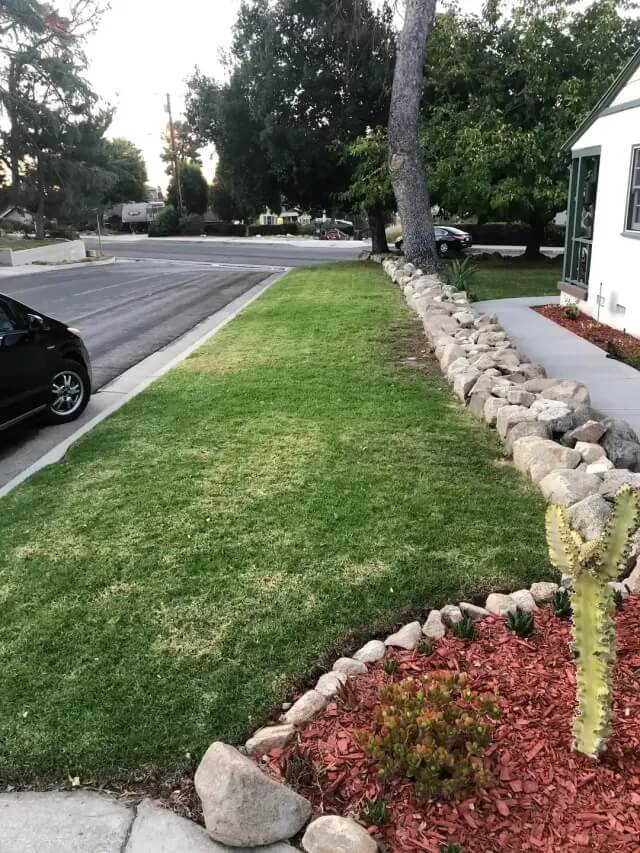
<point>434,730</point>
<point>460,274</point>
<point>192,225</point>
<point>390,665</point>
<point>451,848</point>
<point>375,813</point>
<point>166,223</point>
<point>521,622</point>
<point>424,647</point>
<point>618,600</point>
<point>562,603</point>
<point>572,312</point>
<point>62,232</point>
<point>465,629</point>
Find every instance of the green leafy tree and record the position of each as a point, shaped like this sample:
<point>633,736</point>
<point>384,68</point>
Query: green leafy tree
<point>126,161</point>
<point>504,93</point>
<point>187,146</point>
<point>221,200</point>
<point>303,74</point>
<point>195,190</point>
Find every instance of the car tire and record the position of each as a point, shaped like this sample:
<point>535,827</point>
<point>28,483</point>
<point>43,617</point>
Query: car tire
<point>443,249</point>
<point>69,393</point>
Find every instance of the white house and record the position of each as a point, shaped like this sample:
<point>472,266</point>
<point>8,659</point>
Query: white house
<point>602,259</point>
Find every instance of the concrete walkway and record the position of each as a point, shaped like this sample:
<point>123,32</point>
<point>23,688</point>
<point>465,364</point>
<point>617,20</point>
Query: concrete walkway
<point>614,386</point>
<point>87,822</point>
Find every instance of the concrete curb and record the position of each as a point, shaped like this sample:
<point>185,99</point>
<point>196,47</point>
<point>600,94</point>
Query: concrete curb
<point>30,269</point>
<point>135,380</point>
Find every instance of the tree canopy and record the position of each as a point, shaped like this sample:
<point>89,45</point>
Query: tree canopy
<point>303,74</point>
<point>187,146</point>
<point>195,190</point>
<point>126,162</point>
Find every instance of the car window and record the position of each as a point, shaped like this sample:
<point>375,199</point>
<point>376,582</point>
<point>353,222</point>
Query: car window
<point>440,232</point>
<point>7,323</point>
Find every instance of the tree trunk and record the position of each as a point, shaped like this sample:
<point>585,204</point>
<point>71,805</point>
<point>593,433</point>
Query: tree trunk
<point>405,161</point>
<point>535,241</point>
<point>379,245</point>
<point>14,145</point>
<point>41,200</point>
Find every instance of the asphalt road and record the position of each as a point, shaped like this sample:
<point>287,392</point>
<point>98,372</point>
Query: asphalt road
<point>287,253</point>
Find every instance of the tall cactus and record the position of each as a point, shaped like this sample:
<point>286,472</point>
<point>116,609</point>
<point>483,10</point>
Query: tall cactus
<point>593,565</point>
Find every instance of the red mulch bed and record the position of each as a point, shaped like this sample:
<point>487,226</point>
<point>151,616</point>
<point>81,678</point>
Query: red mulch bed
<point>628,347</point>
<point>543,796</point>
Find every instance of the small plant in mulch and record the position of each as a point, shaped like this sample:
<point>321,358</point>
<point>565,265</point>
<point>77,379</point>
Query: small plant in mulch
<point>424,647</point>
<point>618,600</point>
<point>465,629</point>
<point>432,730</point>
<point>593,566</point>
<point>390,665</point>
<point>561,603</point>
<point>298,772</point>
<point>451,848</point>
<point>521,622</point>
<point>375,813</point>
<point>572,312</point>
<point>347,696</point>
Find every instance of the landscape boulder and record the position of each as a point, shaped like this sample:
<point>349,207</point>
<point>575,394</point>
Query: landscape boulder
<point>567,487</point>
<point>508,416</point>
<point>241,805</point>
<point>349,666</point>
<point>589,516</point>
<point>331,834</point>
<point>590,431</point>
<point>491,409</point>
<point>371,652</point>
<point>524,429</point>
<point>407,637</point>
<point>434,627</point>
<point>271,737</point>
<point>538,457</point>
<point>543,591</point>
<point>574,394</point>
<point>500,604</point>
<point>524,600</point>
<point>621,445</point>
<point>613,481</point>
<point>305,709</point>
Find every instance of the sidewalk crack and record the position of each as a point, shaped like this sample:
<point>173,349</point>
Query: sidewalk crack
<point>127,837</point>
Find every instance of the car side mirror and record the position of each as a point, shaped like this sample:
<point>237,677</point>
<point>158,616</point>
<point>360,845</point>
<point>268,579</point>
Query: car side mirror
<point>36,323</point>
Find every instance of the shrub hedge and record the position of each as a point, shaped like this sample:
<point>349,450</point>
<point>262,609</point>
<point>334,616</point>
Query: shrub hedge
<point>511,234</point>
<point>224,229</point>
<point>273,230</point>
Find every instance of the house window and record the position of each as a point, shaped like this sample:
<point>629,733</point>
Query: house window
<point>583,191</point>
<point>633,210</point>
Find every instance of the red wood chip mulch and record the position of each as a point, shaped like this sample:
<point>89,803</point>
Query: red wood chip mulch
<point>597,333</point>
<point>543,796</point>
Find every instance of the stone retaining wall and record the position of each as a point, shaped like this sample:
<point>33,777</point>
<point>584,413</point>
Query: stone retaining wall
<point>55,253</point>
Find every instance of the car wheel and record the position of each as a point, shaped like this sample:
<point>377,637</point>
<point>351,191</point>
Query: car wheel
<point>69,393</point>
<point>443,249</point>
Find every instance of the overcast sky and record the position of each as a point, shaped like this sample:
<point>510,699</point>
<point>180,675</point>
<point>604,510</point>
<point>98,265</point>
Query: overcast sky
<point>146,48</point>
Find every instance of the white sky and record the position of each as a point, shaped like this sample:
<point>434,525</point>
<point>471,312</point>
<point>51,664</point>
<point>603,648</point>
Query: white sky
<point>146,48</point>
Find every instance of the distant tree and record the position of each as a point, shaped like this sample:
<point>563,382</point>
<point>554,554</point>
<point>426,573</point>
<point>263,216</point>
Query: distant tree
<point>126,161</point>
<point>303,75</point>
<point>187,144</point>
<point>370,188</point>
<point>195,190</point>
<point>222,202</point>
<point>504,92</point>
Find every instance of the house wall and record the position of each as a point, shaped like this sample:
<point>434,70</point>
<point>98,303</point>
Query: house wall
<point>615,261</point>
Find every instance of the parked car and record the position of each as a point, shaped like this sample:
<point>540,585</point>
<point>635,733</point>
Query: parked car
<point>449,241</point>
<point>45,369</point>
<point>334,234</point>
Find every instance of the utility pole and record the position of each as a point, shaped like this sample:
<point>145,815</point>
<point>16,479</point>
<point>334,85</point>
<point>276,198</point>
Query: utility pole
<point>176,162</point>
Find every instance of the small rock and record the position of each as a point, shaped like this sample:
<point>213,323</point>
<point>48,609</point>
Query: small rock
<point>434,628</point>
<point>557,417</point>
<point>464,383</point>
<point>371,652</point>
<point>543,591</point>
<point>566,488</point>
<point>520,397</point>
<point>477,400</point>
<point>538,457</point>
<point>600,467</point>
<point>451,353</point>
<point>524,429</point>
<point>500,604</point>
<point>330,683</point>
<point>271,737</point>
<point>451,615</point>
<point>508,416</point>
<point>305,709</point>
<point>524,600</point>
<point>231,788</point>
<point>590,452</point>
<point>613,481</point>
<point>574,394</point>
<point>331,834</point>
<point>591,432</point>
<point>491,409</point>
<point>473,611</point>
<point>407,637</point>
<point>350,666</point>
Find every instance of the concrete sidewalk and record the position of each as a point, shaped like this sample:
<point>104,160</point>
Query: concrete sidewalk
<point>614,386</point>
<point>87,822</point>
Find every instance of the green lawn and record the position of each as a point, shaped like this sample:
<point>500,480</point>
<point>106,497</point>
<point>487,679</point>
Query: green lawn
<point>17,245</point>
<point>293,480</point>
<point>499,279</point>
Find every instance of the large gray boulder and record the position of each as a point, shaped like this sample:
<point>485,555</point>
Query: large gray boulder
<point>574,394</point>
<point>464,382</point>
<point>524,429</point>
<point>538,457</point>
<point>508,416</point>
<point>241,805</point>
<point>589,516</point>
<point>613,481</point>
<point>331,834</point>
<point>567,487</point>
<point>451,353</point>
<point>477,400</point>
<point>621,445</point>
<point>491,409</point>
<point>590,431</point>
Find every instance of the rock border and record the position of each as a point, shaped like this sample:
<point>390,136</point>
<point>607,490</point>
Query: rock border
<point>576,456</point>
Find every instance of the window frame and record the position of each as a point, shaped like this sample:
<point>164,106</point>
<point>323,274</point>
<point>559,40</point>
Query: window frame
<point>11,317</point>
<point>631,229</point>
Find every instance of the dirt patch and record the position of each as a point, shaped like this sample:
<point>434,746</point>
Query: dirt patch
<point>615,343</point>
<point>542,795</point>
<point>412,350</point>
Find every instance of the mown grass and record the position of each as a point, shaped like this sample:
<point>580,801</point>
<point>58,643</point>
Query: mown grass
<point>292,481</point>
<point>501,279</point>
<point>18,244</point>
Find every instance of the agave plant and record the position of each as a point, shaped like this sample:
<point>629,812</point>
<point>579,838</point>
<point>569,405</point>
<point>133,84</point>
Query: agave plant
<point>460,274</point>
<point>593,565</point>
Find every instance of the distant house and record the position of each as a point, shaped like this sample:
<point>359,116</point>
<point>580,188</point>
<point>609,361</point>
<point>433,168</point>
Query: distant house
<point>292,216</point>
<point>17,216</point>
<point>602,258</point>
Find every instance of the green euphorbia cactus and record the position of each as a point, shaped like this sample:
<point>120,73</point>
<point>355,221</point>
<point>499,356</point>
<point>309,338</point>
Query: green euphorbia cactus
<point>593,565</point>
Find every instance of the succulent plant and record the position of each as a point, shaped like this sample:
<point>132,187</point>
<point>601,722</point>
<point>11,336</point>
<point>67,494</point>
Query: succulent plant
<point>562,603</point>
<point>375,813</point>
<point>465,629</point>
<point>521,622</point>
<point>593,565</point>
<point>390,665</point>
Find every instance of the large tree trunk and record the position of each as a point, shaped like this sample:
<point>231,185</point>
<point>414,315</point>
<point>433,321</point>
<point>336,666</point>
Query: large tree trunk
<point>379,245</point>
<point>14,145</point>
<point>535,241</point>
<point>405,161</point>
<point>41,204</point>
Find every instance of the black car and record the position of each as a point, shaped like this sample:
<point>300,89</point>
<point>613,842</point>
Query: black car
<point>449,241</point>
<point>44,367</point>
